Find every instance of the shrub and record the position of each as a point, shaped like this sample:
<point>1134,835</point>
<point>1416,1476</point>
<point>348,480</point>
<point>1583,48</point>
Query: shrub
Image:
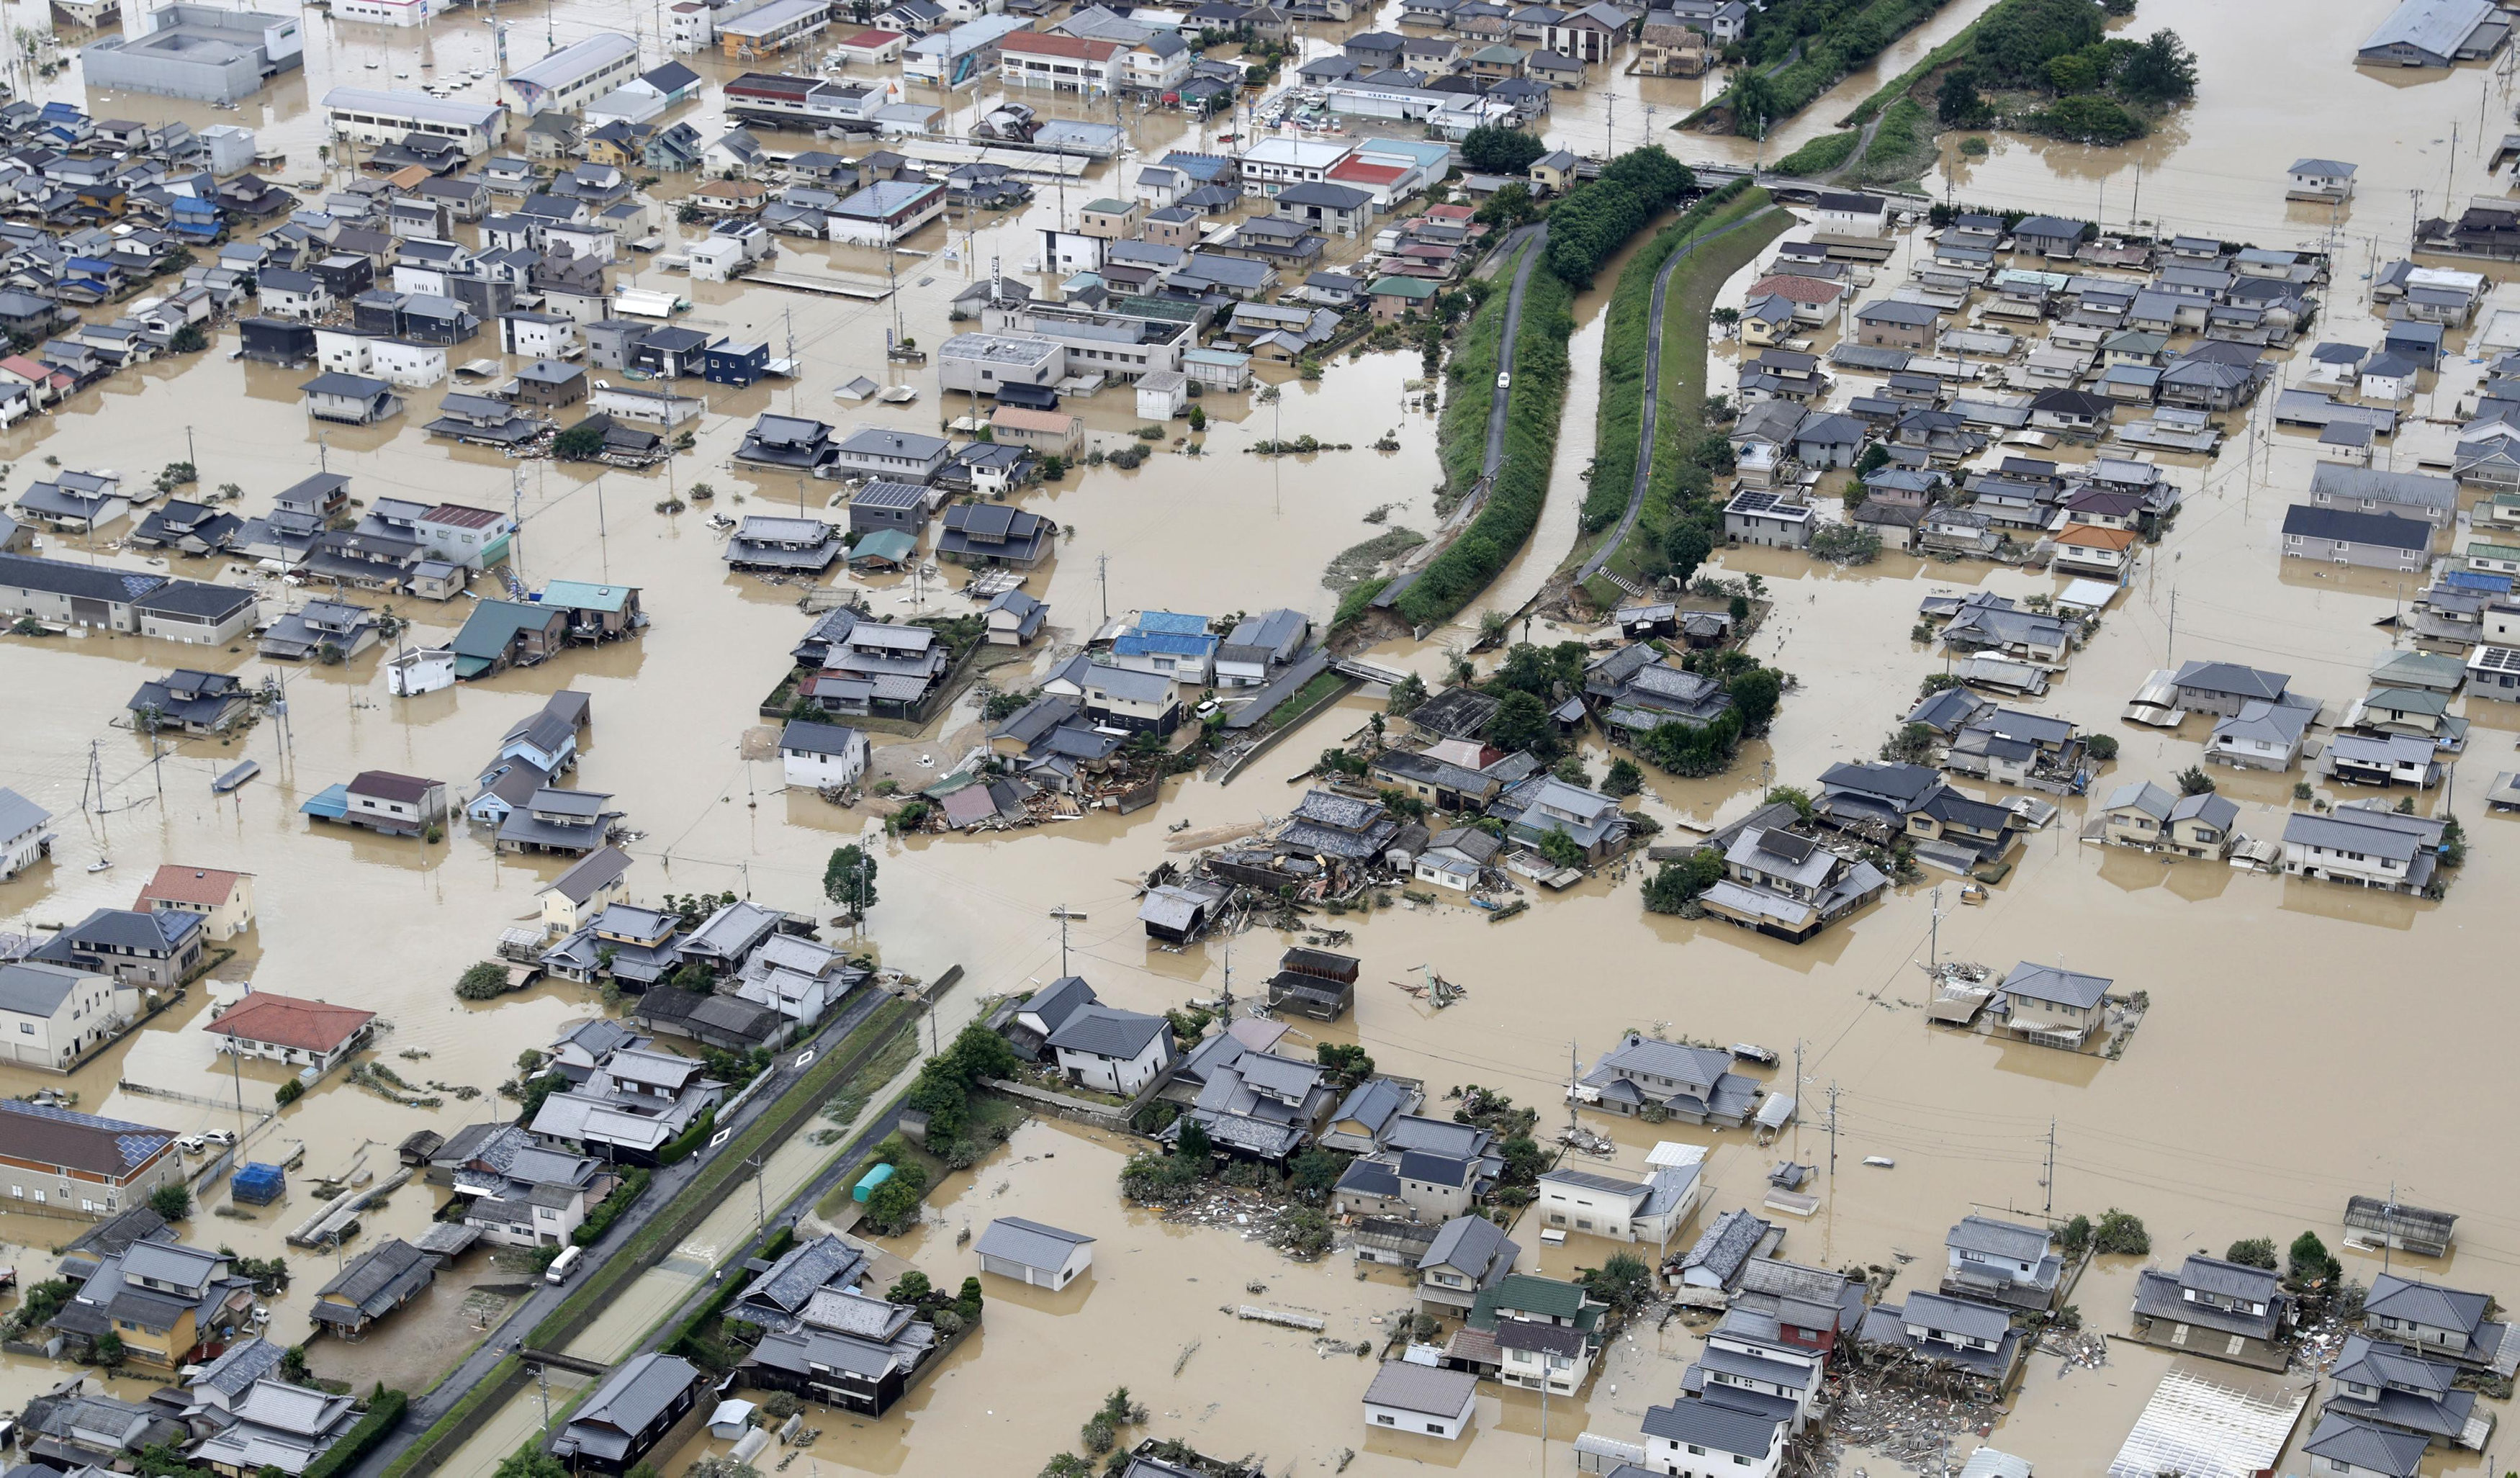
<point>481,981</point>
<point>287,1092</point>
<point>2101,746</point>
<point>634,1184</point>
<point>1678,885</point>
<point>2307,1261</point>
<point>1821,154</point>
<point>173,1202</point>
<point>384,1415</point>
<point>2252,1252</point>
<point>2121,1233</point>
<point>1845,544</point>
<point>892,1207</point>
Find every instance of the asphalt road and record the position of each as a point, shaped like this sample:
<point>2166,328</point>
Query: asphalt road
<point>1538,239</point>
<point>537,1306</point>
<point>1653,398</point>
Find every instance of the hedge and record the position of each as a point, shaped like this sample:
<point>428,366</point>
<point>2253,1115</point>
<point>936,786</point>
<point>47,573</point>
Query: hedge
<point>1533,408</point>
<point>679,1148</point>
<point>458,1419</point>
<point>384,1412</point>
<point>634,1184</point>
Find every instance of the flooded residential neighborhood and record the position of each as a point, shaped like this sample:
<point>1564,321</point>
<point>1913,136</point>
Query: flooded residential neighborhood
<point>1673,737</point>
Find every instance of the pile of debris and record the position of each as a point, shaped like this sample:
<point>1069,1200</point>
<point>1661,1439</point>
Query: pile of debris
<point>1907,1426</point>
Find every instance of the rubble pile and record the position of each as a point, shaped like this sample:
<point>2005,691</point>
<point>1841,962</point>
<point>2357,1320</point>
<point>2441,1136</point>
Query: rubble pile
<point>1911,1427</point>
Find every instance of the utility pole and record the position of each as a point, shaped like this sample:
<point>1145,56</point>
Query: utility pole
<point>1572,1059</point>
<point>2049,1183</point>
<point>1064,913</point>
<point>1833,1133</point>
<point>1229,980</point>
<point>1103,576</point>
<point>1933,939</point>
<point>2170,642</point>
<point>760,1202</point>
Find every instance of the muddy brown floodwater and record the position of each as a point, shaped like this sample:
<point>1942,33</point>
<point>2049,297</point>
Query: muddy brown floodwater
<point>2246,1106</point>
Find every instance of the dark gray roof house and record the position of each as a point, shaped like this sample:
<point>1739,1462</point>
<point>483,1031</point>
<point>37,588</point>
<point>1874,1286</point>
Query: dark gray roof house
<point>628,1414</point>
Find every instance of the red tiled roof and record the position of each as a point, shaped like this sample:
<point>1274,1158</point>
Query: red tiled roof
<point>207,888</point>
<point>1360,170</point>
<point>1798,289</point>
<point>1042,44</point>
<point>314,1026</point>
<point>461,516</point>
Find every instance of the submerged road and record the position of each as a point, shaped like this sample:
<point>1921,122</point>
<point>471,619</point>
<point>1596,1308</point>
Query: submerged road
<point>1654,396</point>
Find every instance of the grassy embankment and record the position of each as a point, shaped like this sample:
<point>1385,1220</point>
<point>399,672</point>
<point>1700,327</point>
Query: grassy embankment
<point>1620,418</point>
<point>1677,486</point>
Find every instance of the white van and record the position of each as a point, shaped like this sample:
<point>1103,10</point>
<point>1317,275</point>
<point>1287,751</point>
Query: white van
<point>563,1265</point>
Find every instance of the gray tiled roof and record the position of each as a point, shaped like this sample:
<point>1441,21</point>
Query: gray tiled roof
<point>1427,1389</point>
<point>1033,1244</point>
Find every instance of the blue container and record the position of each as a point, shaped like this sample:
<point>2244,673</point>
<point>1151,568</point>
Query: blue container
<point>870,1181</point>
<point>258,1184</point>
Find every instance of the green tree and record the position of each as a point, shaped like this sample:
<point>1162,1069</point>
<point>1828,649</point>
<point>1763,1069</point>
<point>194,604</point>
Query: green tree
<point>2073,73</point>
<point>2121,1233</point>
<point>1522,722</point>
<point>849,878</point>
<point>1191,1144</point>
<point>1755,694</point>
<point>1507,208</point>
<point>109,1349</point>
<point>1753,99</point>
<point>2160,71</point>
<point>171,1201</point>
<point>1792,795</point>
<point>1199,417</point>
<point>910,1289</point>
<point>1624,778</point>
<point>978,1052</point>
<point>1314,1171</point>
<point>2307,1261</point>
<point>582,442</point>
<point>1493,148</point>
<point>1685,547</point>
<point>2088,119</point>
<point>1570,769</point>
<point>2193,781</point>
<point>530,1462</point>
<point>1348,1061</point>
<point>1959,104</point>
<point>1406,695</point>
<point>1679,882</point>
<point>2253,1252</point>
<point>892,1207</point>
<point>2100,746</point>
<point>189,340</point>
<point>481,981</point>
<point>1563,850</point>
<point>1623,1281</point>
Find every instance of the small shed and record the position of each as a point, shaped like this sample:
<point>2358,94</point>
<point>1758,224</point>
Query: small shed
<point>1031,1252</point>
<point>868,1182</point>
